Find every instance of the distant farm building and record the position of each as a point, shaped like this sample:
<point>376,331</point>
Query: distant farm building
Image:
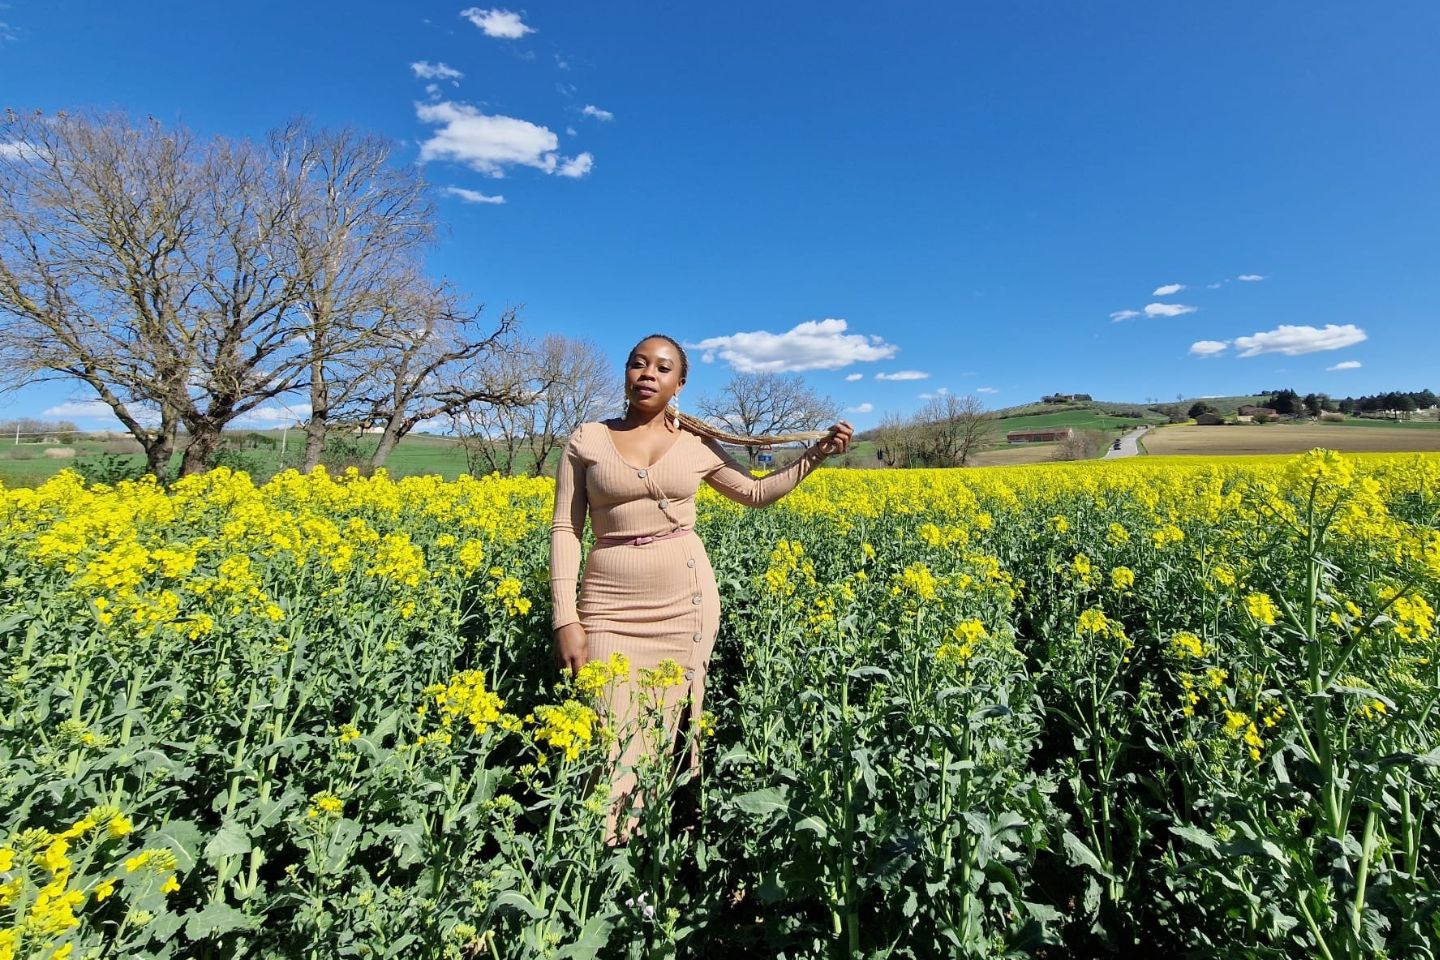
<point>1209,419</point>
<point>1049,435</point>
<point>1249,410</point>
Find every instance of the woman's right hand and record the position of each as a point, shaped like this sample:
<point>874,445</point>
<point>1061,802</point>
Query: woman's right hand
<point>572,648</point>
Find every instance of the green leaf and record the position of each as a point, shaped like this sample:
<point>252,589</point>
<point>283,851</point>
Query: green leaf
<point>232,840</point>
<point>812,825</point>
<point>518,902</point>
<point>217,919</point>
<point>182,838</point>
<point>591,941</point>
<point>763,803</point>
<point>1196,836</point>
<point>1082,855</point>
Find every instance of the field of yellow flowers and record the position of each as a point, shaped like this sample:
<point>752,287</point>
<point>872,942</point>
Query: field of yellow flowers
<point>1058,711</point>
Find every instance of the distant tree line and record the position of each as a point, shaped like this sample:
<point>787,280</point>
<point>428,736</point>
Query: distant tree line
<point>186,283</point>
<point>1288,403</point>
<point>947,432</point>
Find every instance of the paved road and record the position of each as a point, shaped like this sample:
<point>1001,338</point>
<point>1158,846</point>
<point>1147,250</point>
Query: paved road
<point>1127,445</point>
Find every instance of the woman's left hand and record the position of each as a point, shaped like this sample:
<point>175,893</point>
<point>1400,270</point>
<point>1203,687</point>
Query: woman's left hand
<point>838,441</point>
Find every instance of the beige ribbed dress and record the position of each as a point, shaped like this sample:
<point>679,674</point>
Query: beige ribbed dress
<point>655,600</point>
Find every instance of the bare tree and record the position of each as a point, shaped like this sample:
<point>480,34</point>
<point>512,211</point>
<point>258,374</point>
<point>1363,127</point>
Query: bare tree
<point>895,439</point>
<point>358,233</point>
<point>754,404</point>
<point>948,431</point>
<point>96,221</point>
<point>157,271</point>
<point>568,382</point>
<point>436,364</point>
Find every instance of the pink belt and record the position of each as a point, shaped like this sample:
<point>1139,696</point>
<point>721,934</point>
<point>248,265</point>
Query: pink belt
<point>641,541</point>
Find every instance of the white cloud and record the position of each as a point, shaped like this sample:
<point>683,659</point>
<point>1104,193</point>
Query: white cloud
<point>1293,341</point>
<point>933,396</point>
<point>432,90</point>
<point>986,390</point>
<point>570,130</point>
<point>1215,286</point>
<point>903,375</point>
<point>100,410</point>
<point>577,166</point>
<point>1208,348</point>
<point>81,408</point>
<point>490,143</point>
<point>590,110</point>
<point>812,345</point>
<point>1168,290</point>
<point>425,70</point>
<point>1167,309</point>
<point>1345,365</point>
<point>473,196</point>
<point>498,23</point>
<point>1119,315</point>
<point>275,416</point>
<point>1250,277</point>
<point>861,408</point>
<point>852,377</point>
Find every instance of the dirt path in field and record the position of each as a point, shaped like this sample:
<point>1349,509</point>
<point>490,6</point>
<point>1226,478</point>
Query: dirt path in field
<point>1288,438</point>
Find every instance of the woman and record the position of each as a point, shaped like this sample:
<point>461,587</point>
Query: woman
<point>648,590</point>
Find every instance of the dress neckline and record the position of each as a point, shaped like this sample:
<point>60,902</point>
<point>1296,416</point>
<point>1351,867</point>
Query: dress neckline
<point>610,437</point>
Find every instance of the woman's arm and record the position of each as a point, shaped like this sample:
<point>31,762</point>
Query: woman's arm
<point>565,530</point>
<point>735,482</point>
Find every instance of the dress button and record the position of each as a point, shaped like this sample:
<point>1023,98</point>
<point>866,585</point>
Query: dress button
<point>690,562</point>
<point>696,600</point>
<point>697,638</point>
<point>664,504</point>
<point>641,474</point>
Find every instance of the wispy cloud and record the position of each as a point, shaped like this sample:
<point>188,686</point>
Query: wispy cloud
<point>940,392</point>
<point>489,143</point>
<point>425,70</point>
<point>498,23</point>
<point>812,345</point>
<point>1167,309</point>
<point>1168,289</point>
<point>577,166</point>
<point>903,375</point>
<point>1208,348</point>
<point>852,377</point>
<point>1215,286</point>
<point>986,390</point>
<point>473,196</point>
<point>590,110</point>
<point>1345,365</point>
<point>861,408</point>
<point>1250,277</point>
<point>1119,315</point>
<point>1292,341</point>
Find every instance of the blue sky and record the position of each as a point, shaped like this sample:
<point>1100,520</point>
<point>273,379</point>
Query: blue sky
<point>977,192</point>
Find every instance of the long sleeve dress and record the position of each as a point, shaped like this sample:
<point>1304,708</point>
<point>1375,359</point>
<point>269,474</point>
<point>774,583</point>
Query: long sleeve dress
<point>655,600</point>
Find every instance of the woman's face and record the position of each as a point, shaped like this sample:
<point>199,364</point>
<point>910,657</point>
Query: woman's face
<point>652,375</point>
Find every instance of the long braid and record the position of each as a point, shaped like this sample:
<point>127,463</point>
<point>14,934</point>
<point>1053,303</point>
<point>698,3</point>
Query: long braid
<point>702,429</point>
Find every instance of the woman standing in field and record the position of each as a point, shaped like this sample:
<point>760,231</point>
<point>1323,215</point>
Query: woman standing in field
<point>648,591</point>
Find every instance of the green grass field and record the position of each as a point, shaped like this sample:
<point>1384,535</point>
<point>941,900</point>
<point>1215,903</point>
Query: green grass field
<point>1082,419</point>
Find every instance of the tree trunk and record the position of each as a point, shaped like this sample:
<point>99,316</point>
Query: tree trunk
<point>388,439</point>
<point>204,444</point>
<point>158,450</point>
<point>319,423</point>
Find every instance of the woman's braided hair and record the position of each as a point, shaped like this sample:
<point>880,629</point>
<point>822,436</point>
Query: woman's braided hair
<point>702,429</point>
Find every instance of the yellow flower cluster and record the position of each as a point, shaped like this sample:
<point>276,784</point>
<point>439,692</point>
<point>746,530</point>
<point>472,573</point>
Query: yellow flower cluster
<point>465,697</point>
<point>568,727</point>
